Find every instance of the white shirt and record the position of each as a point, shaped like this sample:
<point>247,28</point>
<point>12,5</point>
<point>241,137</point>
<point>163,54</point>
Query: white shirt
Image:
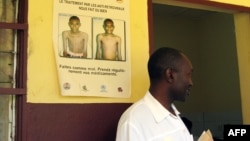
<point>148,120</point>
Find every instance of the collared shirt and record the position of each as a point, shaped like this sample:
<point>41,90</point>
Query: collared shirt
<point>148,120</point>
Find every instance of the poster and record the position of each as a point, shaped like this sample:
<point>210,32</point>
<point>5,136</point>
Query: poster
<point>91,40</point>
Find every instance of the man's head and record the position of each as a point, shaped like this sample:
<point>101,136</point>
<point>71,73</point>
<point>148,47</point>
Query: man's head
<point>170,70</point>
<point>74,23</point>
<point>108,26</point>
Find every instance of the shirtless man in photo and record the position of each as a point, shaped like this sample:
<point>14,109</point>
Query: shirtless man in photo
<point>74,40</point>
<point>108,44</point>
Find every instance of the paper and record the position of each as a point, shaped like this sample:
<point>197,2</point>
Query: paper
<point>206,136</point>
<point>91,59</point>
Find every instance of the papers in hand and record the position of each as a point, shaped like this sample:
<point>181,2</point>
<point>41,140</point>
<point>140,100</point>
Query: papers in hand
<point>206,136</point>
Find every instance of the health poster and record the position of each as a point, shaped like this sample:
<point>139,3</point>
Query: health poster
<point>91,40</point>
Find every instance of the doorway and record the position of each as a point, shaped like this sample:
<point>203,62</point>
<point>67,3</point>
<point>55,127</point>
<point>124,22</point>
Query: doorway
<point>208,38</point>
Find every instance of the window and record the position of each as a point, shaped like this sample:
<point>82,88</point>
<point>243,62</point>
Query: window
<point>13,66</point>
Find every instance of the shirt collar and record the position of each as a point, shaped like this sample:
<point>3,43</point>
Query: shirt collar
<point>158,111</point>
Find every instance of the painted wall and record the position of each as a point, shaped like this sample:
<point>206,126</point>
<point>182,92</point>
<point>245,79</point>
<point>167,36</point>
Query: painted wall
<point>43,86</point>
<point>242,22</point>
<point>66,121</point>
<point>52,117</point>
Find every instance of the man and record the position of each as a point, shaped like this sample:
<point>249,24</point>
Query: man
<point>154,117</point>
<point>74,40</point>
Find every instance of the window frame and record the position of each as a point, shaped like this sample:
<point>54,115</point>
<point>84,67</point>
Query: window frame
<point>21,70</point>
<point>22,34</point>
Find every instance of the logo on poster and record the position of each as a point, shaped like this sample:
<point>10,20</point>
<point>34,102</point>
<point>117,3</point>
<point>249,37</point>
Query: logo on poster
<point>103,88</point>
<point>120,89</point>
<point>84,88</point>
<point>66,86</point>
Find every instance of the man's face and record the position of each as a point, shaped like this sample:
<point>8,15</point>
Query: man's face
<point>74,25</point>
<point>109,27</point>
<point>182,80</point>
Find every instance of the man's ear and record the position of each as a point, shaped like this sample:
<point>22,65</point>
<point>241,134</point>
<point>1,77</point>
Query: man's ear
<point>169,75</point>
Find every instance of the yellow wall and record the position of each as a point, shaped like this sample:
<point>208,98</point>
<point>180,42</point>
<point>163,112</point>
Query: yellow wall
<point>43,86</point>
<point>42,75</point>
<point>242,22</point>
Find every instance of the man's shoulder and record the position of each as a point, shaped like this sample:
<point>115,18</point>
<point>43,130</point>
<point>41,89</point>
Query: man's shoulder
<point>136,111</point>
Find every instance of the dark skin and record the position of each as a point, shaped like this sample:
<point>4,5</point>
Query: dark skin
<point>175,84</point>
